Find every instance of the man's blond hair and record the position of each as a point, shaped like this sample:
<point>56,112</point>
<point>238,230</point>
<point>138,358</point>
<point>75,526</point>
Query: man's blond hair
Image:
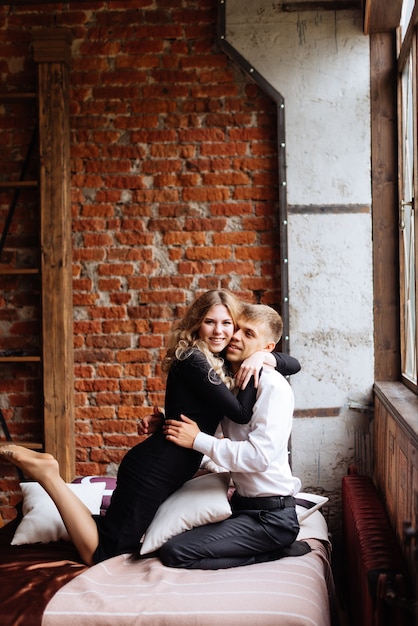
<point>267,316</point>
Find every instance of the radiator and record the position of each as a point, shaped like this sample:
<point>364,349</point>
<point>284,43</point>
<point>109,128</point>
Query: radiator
<point>375,571</point>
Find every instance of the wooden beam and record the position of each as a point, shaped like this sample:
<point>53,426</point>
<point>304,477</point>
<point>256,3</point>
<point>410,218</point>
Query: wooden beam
<point>26,444</point>
<point>42,2</point>
<point>52,50</point>
<point>383,80</point>
<point>381,16</point>
<point>321,5</point>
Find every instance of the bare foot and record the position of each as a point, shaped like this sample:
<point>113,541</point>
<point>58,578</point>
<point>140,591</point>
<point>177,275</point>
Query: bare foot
<point>36,465</point>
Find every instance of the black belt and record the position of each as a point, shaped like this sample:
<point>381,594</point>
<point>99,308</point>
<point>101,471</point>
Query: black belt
<point>263,503</point>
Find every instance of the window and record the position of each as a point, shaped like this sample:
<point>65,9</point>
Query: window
<point>408,183</point>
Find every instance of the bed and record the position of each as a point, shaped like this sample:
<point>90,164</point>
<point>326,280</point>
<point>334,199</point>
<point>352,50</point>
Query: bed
<point>45,584</point>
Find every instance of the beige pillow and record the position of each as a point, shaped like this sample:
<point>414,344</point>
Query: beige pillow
<point>201,500</point>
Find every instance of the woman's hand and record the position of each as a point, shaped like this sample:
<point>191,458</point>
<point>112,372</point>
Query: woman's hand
<point>252,366</point>
<point>181,433</point>
<point>151,423</point>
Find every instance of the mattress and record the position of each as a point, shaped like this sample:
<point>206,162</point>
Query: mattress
<point>294,591</point>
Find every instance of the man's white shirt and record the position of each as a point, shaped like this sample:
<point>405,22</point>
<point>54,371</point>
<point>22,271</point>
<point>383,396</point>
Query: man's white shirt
<point>257,453</point>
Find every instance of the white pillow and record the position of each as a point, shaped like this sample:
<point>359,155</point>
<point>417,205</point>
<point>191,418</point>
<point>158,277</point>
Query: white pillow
<point>210,466</point>
<point>308,503</point>
<point>201,500</point>
<point>314,527</point>
<point>41,521</point>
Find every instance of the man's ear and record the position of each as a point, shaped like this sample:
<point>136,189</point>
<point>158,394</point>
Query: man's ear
<point>270,346</point>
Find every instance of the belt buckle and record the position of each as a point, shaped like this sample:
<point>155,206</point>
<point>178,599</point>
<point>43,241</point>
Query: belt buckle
<point>282,502</point>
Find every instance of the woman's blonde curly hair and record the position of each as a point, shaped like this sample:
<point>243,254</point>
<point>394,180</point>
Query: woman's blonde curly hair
<point>184,337</point>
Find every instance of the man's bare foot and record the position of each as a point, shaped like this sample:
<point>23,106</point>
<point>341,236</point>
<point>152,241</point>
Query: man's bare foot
<point>36,465</point>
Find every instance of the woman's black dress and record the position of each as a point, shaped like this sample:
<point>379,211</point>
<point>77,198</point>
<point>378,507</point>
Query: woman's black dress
<point>152,470</point>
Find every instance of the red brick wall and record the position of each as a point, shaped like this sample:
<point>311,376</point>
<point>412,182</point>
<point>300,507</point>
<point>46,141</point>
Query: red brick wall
<point>174,191</point>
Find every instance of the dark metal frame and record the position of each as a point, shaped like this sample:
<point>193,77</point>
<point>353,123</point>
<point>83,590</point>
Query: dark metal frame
<point>270,91</point>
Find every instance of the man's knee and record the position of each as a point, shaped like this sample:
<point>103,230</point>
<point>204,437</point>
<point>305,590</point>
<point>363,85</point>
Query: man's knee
<point>171,555</point>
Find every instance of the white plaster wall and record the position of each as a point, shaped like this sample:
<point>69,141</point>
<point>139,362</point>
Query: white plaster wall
<point>319,63</point>
<point>331,308</point>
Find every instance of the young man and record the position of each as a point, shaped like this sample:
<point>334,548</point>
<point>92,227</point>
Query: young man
<point>264,522</point>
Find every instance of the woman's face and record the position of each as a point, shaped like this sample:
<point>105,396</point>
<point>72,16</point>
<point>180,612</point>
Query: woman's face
<point>217,328</point>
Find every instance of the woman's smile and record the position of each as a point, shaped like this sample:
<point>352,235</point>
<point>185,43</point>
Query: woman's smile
<point>217,328</point>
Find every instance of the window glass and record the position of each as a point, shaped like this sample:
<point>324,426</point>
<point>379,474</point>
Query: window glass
<point>407,8</point>
<point>408,184</point>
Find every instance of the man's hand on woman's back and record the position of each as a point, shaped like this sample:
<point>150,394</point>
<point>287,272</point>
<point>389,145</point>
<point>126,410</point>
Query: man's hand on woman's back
<point>151,423</point>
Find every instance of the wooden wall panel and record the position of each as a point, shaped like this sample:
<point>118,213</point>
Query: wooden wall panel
<point>396,461</point>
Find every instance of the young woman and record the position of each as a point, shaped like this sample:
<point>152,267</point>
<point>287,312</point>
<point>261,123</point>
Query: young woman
<point>198,386</point>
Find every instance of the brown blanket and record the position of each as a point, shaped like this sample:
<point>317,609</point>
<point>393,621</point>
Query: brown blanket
<point>30,575</point>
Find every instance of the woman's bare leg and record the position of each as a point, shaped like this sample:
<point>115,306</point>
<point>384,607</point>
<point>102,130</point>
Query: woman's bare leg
<point>77,518</point>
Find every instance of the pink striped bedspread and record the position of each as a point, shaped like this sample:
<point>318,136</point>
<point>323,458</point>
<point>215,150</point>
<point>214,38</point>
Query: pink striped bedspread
<point>294,591</point>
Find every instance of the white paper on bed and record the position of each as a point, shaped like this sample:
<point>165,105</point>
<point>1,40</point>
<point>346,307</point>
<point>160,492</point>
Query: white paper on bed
<point>289,592</point>
<point>314,527</point>
<point>307,504</point>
